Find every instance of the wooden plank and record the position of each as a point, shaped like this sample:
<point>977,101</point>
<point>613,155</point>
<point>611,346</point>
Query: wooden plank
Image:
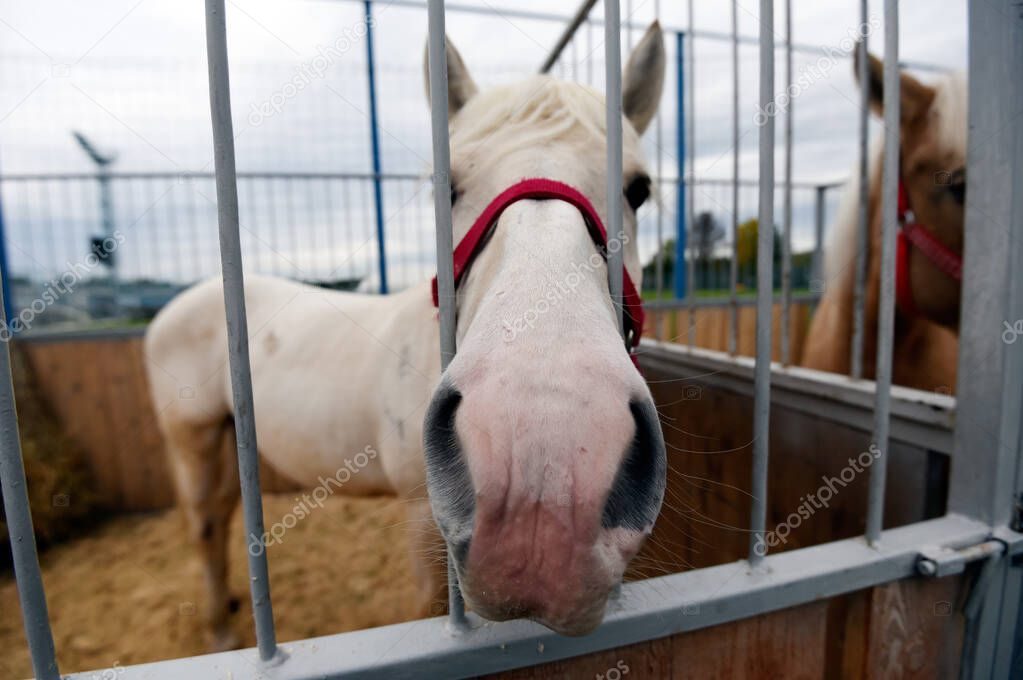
<point>915,630</point>
<point>98,391</point>
<point>783,644</point>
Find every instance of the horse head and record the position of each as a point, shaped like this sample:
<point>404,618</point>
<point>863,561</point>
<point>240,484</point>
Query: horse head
<point>933,174</point>
<point>545,460</point>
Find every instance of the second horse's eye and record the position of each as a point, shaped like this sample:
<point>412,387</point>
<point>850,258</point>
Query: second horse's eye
<point>637,192</point>
<point>454,195</point>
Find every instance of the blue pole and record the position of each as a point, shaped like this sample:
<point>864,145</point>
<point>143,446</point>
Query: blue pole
<point>680,134</point>
<point>374,130</point>
<point>5,281</point>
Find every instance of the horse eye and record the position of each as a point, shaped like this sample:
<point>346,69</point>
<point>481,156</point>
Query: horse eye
<point>637,192</point>
<point>454,195</point>
<point>956,185</point>
<point>958,191</point>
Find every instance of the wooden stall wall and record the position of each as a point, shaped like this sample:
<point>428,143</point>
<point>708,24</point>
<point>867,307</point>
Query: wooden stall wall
<point>97,389</point>
<point>907,630</point>
<point>708,432</point>
<point>711,328</point>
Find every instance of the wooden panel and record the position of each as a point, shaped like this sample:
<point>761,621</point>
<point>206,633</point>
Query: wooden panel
<point>915,631</point>
<point>908,630</point>
<point>98,391</point>
<point>785,644</point>
<point>708,434</point>
<point>711,328</point>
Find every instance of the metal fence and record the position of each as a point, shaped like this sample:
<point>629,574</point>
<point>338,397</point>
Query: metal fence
<point>313,221</point>
<point>986,479</point>
<point>316,227</point>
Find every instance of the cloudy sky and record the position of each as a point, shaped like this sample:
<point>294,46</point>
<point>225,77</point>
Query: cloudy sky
<point>130,74</point>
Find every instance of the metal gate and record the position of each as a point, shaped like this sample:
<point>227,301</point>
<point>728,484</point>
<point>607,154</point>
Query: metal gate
<point>986,489</point>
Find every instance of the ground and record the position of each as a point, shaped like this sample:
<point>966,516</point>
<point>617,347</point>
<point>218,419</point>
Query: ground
<point>130,591</point>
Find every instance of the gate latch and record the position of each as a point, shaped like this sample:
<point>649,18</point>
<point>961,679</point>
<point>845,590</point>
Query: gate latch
<point>941,561</point>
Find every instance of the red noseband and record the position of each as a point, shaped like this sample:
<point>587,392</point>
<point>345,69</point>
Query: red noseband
<point>913,234</point>
<point>471,245</point>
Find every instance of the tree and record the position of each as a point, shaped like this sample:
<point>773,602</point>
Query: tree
<point>707,232</point>
<point>747,252</point>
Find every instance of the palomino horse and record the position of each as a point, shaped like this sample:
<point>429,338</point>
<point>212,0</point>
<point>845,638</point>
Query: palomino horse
<point>932,182</point>
<point>545,465</point>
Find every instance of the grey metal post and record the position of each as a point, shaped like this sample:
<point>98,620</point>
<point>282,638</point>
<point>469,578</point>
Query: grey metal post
<point>818,235</point>
<point>863,225</point>
<point>19,527</point>
<point>886,305</point>
<point>989,429</point>
<point>103,161</point>
<point>237,325</point>
<point>733,270</point>
<point>691,184</point>
<point>659,143</point>
<point>765,291</point>
<point>628,25</point>
<point>786,243</point>
<point>613,90</point>
<point>438,65</point>
<point>566,36</point>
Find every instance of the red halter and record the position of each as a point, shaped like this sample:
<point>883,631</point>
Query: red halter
<point>471,245</point>
<point>912,233</point>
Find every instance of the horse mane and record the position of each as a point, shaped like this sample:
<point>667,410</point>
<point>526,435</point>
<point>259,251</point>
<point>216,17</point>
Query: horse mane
<point>950,103</point>
<point>531,113</point>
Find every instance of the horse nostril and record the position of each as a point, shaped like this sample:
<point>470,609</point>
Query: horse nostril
<point>638,489</point>
<point>447,475</point>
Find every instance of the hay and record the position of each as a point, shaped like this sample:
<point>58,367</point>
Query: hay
<point>131,591</point>
<point>61,490</point>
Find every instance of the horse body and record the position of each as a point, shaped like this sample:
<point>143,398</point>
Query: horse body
<point>340,382</point>
<point>933,149</point>
<point>544,462</point>
<point>311,350</point>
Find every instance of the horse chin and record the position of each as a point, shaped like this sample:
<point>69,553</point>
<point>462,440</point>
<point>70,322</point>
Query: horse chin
<point>578,623</point>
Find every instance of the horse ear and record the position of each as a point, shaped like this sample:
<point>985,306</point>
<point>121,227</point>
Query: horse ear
<point>644,79</point>
<point>461,87</point>
<point>916,97</point>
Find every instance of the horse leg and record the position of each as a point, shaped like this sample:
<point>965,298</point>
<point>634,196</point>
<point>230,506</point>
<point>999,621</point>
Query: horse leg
<point>206,477</point>
<point>429,568</point>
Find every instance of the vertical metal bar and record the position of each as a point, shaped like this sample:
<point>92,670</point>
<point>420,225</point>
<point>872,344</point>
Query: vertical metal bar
<point>19,526</point>
<point>733,271</point>
<point>863,224</point>
<point>613,97</point>
<point>786,243</point>
<point>237,324</point>
<point>628,25</point>
<point>680,163</point>
<point>374,130</point>
<point>438,66</point>
<point>589,52</point>
<point>990,385</point>
<point>5,279</point>
<point>818,236</point>
<point>765,290</point>
<point>691,186</point>
<point>659,143</point>
<point>106,204</point>
<point>886,306</point>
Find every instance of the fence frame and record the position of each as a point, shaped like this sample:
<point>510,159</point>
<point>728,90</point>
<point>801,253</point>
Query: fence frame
<point>983,517</point>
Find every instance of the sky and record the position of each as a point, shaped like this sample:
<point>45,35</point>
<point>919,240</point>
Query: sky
<point>130,74</point>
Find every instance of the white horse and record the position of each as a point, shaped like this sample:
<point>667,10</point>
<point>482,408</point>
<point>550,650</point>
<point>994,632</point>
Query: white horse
<point>546,464</point>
